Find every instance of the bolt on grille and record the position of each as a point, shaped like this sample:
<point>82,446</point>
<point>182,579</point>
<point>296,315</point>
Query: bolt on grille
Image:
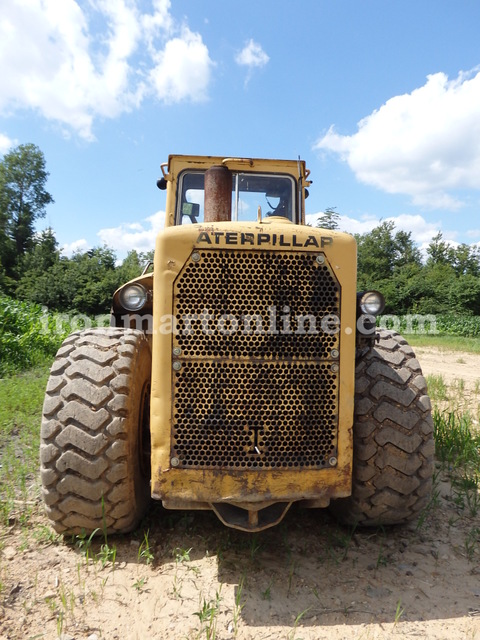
<point>255,382</point>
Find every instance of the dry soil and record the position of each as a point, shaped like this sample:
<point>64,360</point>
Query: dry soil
<point>307,578</point>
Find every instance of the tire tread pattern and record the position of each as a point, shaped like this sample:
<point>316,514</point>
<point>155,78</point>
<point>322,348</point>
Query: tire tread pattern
<point>85,452</point>
<point>393,447</point>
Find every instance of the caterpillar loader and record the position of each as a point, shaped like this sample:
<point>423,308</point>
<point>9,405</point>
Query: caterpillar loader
<point>244,373</point>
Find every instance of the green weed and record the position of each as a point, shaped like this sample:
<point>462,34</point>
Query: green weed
<point>437,388</point>
<point>291,635</point>
<point>237,610</point>
<point>339,540</point>
<point>267,594</point>
<point>255,546</point>
<point>208,615</point>
<point>181,555</point>
<point>466,487</point>
<point>84,543</point>
<point>398,613</point>
<point>107,554</point>
<point>472,542</point>
<point>433,503</point>
<point>43,534</point>
<point>144,551</point>
<point>457,441</point>
<point>140,583</point>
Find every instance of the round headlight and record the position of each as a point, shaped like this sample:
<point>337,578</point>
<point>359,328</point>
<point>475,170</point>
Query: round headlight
<point>133,297</point>
<point>372,303</point>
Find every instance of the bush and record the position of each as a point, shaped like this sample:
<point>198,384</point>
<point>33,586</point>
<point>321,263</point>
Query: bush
<point>28,335</point>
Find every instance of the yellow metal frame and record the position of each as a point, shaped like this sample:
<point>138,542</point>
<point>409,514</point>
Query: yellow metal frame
<point>177,164</point>
<point>198,488</point>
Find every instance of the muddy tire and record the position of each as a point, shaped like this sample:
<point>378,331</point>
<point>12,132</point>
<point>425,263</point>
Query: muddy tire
<point>94,450</point>
<point>393,447</point>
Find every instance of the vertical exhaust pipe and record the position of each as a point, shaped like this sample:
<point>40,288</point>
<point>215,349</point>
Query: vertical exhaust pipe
<point>218,194</point>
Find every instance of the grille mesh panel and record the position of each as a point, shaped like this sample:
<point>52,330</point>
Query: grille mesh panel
<point>255,415</point>
<point>258,291</point>
<point>245,397</point>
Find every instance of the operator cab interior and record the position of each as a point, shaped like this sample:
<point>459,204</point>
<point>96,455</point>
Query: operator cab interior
<point>274,194</point>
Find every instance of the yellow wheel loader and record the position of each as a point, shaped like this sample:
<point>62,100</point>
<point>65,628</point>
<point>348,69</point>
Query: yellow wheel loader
<point>244,373</point>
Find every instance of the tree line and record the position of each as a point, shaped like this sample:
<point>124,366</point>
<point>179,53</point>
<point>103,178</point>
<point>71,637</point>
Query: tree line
<point>445,280</point>
<point>32,267</point>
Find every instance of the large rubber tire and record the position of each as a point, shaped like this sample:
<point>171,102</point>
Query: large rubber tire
<point>393,447</point>
<point>95,432</point>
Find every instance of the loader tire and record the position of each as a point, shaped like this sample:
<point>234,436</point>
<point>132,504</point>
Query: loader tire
<point>393,447</point>
<point>94,452</point>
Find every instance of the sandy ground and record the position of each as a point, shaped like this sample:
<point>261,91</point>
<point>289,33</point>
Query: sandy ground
<point>461,373</point>
<point>307,578</point>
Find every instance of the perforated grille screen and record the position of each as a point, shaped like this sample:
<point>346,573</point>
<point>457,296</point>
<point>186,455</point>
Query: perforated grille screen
<point>255,381</point>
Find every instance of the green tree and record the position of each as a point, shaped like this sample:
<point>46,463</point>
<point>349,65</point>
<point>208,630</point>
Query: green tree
<point>382,251</point>
<point>390,261</point>
<point>465,295</point>
<point>329,219</point>
<point>466,260</point>
<point>23,200</point>
<point>94,279</point>
<point>42,273</point>
<point>439,252</point>
<point>132,266</point>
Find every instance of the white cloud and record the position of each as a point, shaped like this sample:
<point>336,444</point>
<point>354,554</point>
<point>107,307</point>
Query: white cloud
<point>129,236</point>
<point>182,69</point>
<point>421,230</point>
<point>73,247</point>
<point>425,144</point>
<point>74,62</point>
<point>6,143</point>
<point>252,55</point>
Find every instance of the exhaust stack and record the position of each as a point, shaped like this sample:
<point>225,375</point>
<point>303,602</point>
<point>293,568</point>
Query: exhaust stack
<point>218,194</point>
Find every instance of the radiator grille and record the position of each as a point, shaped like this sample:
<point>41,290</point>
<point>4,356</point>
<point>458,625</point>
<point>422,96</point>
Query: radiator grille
<point>256,384</point>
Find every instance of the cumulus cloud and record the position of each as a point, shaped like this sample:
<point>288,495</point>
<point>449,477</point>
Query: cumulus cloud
<point>74,62</point>
<point>182,70</point>
<point>252,55</point>
<point>138,236</point>
<point>422,230</point>
<point>425,144</point>
<point>70,248</point>
<point>6,143</point>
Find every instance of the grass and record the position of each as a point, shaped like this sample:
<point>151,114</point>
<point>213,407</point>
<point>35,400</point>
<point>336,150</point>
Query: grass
<point>437,388</point>
<point>452,343</point>
<point>21,400</point>
<point>457,440</point>
<point>458,449</point>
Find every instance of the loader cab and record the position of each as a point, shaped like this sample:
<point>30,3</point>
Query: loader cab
<point>203,190</point>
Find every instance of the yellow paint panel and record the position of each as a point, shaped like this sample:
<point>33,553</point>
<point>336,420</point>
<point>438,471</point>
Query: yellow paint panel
<point>287,246</point>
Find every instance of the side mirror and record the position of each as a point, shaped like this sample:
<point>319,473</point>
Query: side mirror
<point>162,184</point>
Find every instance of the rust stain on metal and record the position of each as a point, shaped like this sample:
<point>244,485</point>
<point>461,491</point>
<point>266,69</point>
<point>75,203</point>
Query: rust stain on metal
<point>218,195</point>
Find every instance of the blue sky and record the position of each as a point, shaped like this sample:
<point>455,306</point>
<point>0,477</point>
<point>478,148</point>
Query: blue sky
<point>380,97</point>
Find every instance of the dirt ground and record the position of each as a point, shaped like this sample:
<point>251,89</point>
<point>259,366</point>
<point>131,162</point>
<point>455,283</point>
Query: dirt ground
<point>307,578</point>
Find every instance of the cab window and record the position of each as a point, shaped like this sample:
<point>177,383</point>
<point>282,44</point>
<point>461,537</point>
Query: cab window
<point>274,194</point>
